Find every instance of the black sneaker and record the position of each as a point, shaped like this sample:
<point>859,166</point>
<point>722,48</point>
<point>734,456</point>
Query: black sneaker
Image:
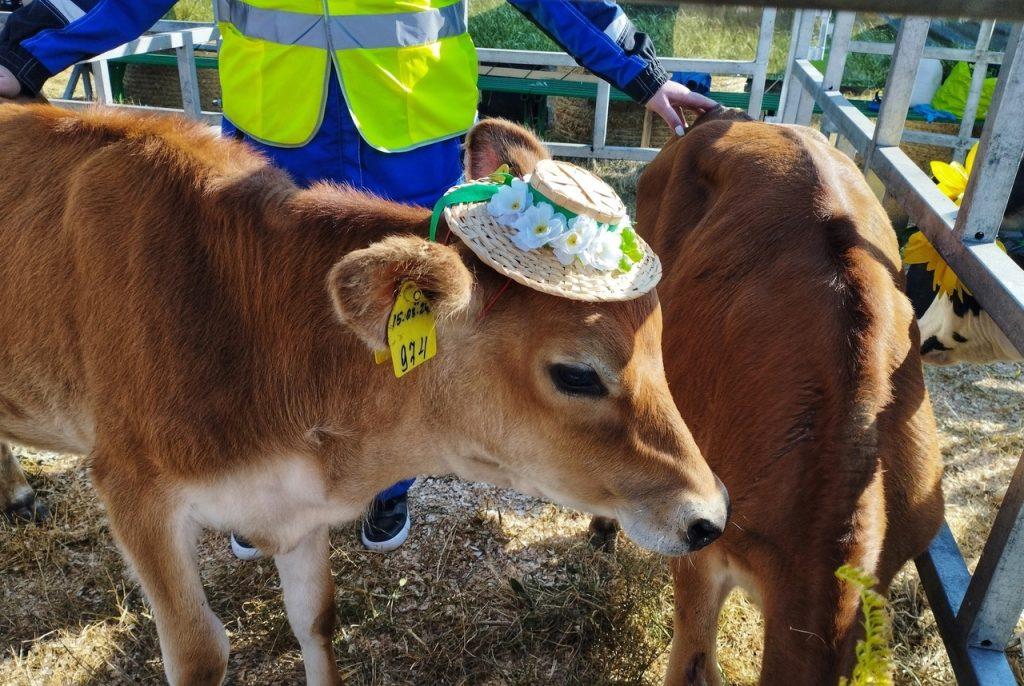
<point>386,525</point>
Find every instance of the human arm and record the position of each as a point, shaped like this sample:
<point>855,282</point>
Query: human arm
<point>47,36</point>
<point>601,38</point>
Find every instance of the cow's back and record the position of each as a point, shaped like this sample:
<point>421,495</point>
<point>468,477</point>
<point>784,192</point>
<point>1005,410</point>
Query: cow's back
<point>101,235</point>
<point>790,348</point>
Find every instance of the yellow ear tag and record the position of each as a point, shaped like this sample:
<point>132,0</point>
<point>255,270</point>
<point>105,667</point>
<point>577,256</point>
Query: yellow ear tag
<point>412,336</point>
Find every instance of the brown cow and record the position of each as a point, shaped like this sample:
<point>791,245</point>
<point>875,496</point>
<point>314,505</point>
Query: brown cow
<point>794,357</point>
<point>174,307</point>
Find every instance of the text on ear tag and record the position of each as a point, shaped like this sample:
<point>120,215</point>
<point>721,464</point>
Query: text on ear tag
<point>412,336</point>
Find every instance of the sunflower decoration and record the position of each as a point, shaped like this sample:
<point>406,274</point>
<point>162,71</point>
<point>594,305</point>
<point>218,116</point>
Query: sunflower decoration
<point>919,250</point>
<point>951,178</point>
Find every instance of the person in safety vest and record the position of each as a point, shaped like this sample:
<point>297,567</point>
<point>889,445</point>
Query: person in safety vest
<point>363,92</point>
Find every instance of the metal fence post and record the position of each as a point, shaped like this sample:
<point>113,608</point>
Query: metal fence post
<point>604,93</point>
<point>970,115</point>
<point>188,77</point>
<point>801,43</point>
<point>101,75</point>
<point>787,76</point>
<point>1000,150</point>
<point>892,115</point>
<point>764,51</point>
<point>839,48</point>
<point>805,103</point>
<point>994,600</point>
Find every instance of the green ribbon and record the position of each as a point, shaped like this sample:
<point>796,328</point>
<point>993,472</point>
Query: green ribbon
<point>472,192</point>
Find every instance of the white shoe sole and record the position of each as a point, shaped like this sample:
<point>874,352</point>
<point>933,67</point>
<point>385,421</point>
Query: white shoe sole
<point>388,545</point>
<point>242,552</point>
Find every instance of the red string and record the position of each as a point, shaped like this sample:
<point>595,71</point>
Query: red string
<point>494,299</point>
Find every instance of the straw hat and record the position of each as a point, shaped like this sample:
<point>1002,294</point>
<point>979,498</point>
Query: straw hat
<point>571,191</point>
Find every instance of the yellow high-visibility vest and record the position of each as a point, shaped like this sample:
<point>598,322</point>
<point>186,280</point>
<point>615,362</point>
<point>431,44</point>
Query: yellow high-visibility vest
<point>408,68</point>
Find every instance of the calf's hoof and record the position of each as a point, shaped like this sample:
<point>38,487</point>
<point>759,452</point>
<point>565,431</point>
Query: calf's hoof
<point>603,533</point>
<point>26,509</point>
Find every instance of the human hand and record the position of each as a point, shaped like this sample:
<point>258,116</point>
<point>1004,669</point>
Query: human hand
<point>673,95</point>
<point>9,86</point>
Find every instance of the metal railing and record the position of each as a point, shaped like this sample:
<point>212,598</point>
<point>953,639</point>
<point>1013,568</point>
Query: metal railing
<point>980,56</point>
<point>180,36</point>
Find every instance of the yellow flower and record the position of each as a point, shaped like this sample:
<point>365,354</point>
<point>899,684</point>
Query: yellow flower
<point>919,250</point>
<point>952,177</point>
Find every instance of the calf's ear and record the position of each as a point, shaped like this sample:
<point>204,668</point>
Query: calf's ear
<point>494,142</point>
<point>364,283</point>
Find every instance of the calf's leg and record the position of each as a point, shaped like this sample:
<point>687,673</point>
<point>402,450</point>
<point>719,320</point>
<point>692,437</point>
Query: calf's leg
<point>158,539</point>
<point>309,599</point>
<point>701,583</point>
<point>17,500</point>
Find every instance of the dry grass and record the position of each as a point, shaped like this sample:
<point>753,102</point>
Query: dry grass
<point>492,588</point>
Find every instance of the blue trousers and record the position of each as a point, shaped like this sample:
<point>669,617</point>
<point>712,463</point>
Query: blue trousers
<point>338,153</point>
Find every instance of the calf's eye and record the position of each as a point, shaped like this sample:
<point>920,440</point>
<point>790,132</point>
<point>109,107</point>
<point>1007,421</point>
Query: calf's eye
<point>577,379</point>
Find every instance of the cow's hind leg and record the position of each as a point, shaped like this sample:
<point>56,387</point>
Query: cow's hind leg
<point>17,499</point>
<point>158,538</point>
<point>309,598</point>
<point>701,583</point>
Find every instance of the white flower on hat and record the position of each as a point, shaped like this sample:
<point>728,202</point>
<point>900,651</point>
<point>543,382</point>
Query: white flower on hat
<point>538,226</point>
<point>605,251</point>
<point>510,202</point>
<point>572,243</point>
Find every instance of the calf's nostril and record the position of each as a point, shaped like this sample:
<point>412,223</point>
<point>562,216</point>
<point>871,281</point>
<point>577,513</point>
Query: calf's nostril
<point>701,533</point>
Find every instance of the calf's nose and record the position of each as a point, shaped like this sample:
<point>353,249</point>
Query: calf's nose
<point>702,533</point>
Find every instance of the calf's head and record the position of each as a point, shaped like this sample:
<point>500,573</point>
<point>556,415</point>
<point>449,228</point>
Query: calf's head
<point>954,327</point>
<point>562,399</point>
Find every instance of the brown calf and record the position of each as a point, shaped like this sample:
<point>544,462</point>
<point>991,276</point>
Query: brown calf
<point>174,307</point>
<point>794,357</point>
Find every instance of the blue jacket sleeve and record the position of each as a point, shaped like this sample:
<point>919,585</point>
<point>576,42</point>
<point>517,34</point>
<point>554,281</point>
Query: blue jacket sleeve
<point>47,36</point>
<point>599,35</point>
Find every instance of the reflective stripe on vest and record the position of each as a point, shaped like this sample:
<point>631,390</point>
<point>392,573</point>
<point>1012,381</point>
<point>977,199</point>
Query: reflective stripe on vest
<point>351,32</point>
<point>409,78</point>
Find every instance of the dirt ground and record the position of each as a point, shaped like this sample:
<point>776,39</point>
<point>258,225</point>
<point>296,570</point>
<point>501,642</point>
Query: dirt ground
<point>492,587</point>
